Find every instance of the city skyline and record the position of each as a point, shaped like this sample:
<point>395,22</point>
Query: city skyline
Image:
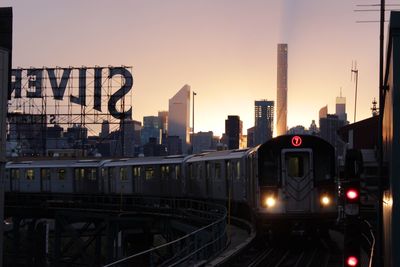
<point>229,59</point>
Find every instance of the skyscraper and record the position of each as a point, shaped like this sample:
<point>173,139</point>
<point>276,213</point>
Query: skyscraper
<point>341,107</point>
<point>179,116</point>
<point>281,94</point>
<point>263,121</point>
<point>233,131</point>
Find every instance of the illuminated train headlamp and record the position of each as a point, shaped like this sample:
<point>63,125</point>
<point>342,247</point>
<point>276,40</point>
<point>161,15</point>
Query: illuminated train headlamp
<point>325,200</point>
<point>269,201</point>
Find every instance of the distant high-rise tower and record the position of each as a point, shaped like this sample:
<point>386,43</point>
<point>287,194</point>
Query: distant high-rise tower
<point>281,94</point>
<point>233,131</point>
<point>178,116</point>
<point>341,107</point>
<point>263,121</point>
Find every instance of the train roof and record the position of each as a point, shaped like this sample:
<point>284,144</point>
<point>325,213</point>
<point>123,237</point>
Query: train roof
<point>51,163</point>
<point>146,161</point>
<point>225,154</point>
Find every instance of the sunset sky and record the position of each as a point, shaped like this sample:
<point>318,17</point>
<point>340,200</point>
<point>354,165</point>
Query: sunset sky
<point>224,49</point>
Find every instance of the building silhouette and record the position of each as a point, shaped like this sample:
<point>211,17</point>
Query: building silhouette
<point>250,137</point>
<point>281,94</point>
<point>105,129</point>
<point>179,117</point>
<point>233,132</point>
<point>263,121</point>
<point>329,127</point>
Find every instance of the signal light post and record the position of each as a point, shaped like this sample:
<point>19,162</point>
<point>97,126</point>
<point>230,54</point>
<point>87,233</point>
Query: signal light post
<point>352,232</point>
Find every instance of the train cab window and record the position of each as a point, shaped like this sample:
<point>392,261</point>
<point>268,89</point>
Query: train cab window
<point>61,174</point>
<point>295,164</point>
<point>45,174</point>
<point>14,174</point>
<point>123,175</point>
<point>30,174</point>
<point>149,173</point>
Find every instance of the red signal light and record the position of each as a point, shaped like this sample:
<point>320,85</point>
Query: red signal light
<point>352,194</point>
<point>352,261</point>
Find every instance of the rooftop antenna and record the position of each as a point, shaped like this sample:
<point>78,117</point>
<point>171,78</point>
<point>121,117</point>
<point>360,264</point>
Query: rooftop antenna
<point>355,71</point>
<point>374,108</point>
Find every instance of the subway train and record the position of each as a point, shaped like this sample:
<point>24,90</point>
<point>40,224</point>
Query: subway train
<point>289,178</point>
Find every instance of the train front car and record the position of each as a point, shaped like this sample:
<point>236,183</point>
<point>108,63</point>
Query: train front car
<point>296,184</point>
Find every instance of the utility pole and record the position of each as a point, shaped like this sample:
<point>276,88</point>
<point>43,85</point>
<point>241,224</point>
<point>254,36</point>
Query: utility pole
<point>193,114</point>
<point>355,71</point>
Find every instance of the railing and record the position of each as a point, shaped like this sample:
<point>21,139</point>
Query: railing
<point>197,246</point>
<point>200,245</point>
<point>369,238</point>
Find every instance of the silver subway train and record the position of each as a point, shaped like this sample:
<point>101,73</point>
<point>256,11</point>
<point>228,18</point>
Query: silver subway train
<point>289,178</point>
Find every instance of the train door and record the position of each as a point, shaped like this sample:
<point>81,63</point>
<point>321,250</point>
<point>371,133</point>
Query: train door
<point>45,180</point>
<point>209,192</point>
<point>297,179</point>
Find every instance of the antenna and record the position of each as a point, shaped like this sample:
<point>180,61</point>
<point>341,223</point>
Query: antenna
<point>355,71</point>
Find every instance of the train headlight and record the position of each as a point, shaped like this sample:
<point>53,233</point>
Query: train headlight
<point>325,200</point>
<point>270,201</point>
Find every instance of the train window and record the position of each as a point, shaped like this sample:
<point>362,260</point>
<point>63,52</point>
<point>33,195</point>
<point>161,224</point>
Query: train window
<point>136,172</point>
<point>79,173</point>
<point>92,174</point>
<point>45,174</point>
<point>14,174</point>
<point>190,171</point>
<point>177,171</point>
<point>237,168</point>
<point>149,173</point>
<point>123,175</point>
<point>111,171</point>
<point>164,172</point>
<point>30,174</point>
<point>61,174</point>
<point>103,173</point>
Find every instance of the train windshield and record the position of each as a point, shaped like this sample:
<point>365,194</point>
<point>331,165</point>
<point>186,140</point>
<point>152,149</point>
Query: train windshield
<point>269,171</point>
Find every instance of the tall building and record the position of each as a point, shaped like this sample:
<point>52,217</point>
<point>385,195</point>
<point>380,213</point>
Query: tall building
<point>263,121</point>
<point>233,131</point>
<point>323,112</point>
<point>105,129</point>
<point>329,127</point>
<point>151,129</point>
<point>250,137</point>
<point>179,116</point>
<point>163,117</point>
<point>281,94</point>
<point>202,141</point>
<point>341,107</point>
